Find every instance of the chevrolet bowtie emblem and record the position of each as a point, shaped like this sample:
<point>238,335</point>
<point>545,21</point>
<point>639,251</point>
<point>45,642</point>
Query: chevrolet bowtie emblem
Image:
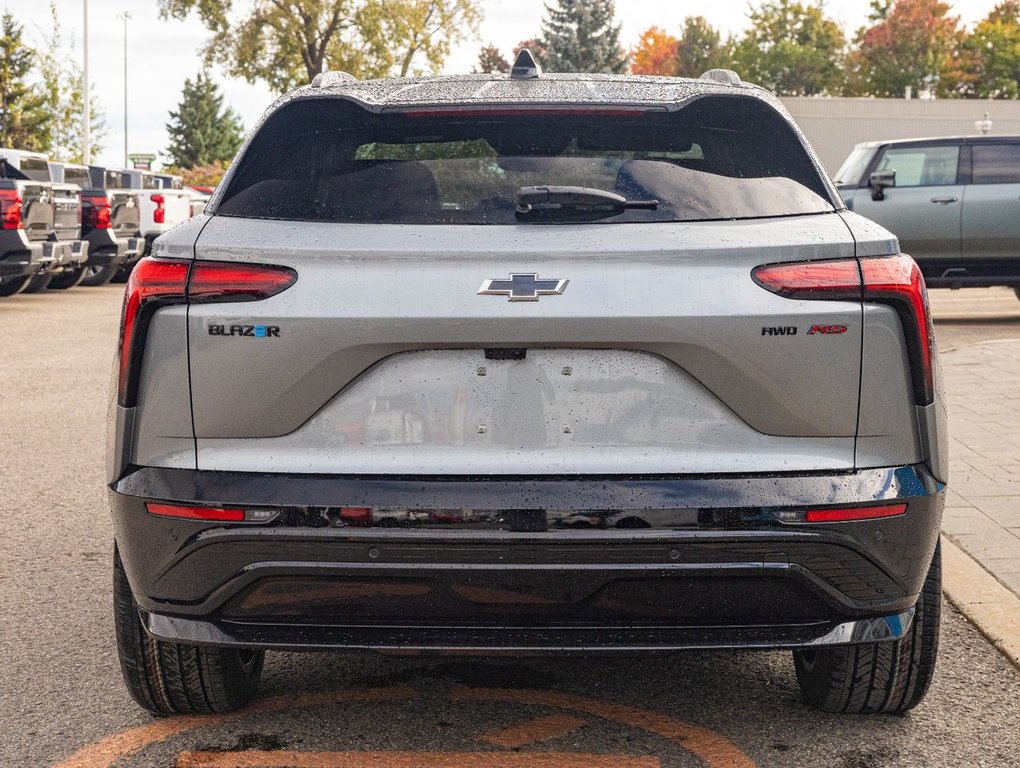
<point>526,287</point>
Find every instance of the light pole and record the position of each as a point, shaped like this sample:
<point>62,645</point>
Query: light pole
<point>126,16</point>
<point>86,116</point>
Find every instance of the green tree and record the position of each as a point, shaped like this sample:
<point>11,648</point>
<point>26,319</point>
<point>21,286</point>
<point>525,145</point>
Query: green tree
<point>991,55</point>
<point>25,122</point>
<point>202,131</point>
<point>792,49</point>
<point>65,99</point>
<point>491,61</point>
<point>581,36</point>
<point>701,48</point>
<point>912,44</point>
<point>285,44</point>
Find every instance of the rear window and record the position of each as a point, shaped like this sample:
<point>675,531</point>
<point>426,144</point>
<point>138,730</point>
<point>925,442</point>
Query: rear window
<point>114,180</point>
<point>36,168</point>
<point>329,160</point>
<point>79,176</point>
<point>150,182</point>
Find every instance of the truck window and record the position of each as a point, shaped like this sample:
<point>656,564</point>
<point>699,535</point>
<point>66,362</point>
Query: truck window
<point>36,168</point>
<point>114,180</point>
<point>922,166</point>
<point>996,164</point>
<point>79,176</point>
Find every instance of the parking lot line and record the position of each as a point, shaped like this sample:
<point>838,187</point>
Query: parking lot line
<point>534,731</point>
<point>276,759</point>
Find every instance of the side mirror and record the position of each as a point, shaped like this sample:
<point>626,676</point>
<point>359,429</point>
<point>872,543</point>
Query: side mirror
<point>878,181</point>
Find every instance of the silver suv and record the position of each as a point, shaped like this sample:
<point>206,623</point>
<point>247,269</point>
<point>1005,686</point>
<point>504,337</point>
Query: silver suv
<point>558,364</point>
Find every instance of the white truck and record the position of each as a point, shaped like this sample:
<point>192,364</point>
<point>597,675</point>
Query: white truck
<point>159,209</point>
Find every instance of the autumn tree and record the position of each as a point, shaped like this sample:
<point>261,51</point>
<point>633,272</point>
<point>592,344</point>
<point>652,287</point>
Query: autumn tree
<point>581,36</point>
<point>25,120</point>
<point>701,48</point>
<point>491,61</point>
<point>792,49</point>
<point>911,44</point>
<point>990,55</point>
<point>203,130</point>
<point>655,53</point>
<point>285,44</point>
<point>64,97</point>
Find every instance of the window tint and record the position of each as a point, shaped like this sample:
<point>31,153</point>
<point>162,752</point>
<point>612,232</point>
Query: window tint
<point>852,170</point>
<point>36,168</point>
<point>79,176</point>
<point>996,164</point>
<point>329,160</point>
<point>921,166</point>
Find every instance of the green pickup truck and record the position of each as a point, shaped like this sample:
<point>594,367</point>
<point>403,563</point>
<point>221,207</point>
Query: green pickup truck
<point>953,202</point>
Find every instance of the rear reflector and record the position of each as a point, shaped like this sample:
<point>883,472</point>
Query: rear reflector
<point>156,283</point>
<point>849,514</point>
<point>892,280</point>
<point>196,513</point>
<point>214,514</point>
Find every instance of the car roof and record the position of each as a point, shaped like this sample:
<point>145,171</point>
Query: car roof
<point>549,89</point>
<point>972,139</point>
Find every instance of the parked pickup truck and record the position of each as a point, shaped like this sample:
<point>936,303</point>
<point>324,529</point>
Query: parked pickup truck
<point>47,215</point>
<point>109,224</point>
<point>954,204</point>
<point>160,209</point>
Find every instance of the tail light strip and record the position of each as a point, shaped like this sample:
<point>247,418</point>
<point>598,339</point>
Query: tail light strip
<point>892,280</point>
<point>157,283</point>
<point>10,209</point>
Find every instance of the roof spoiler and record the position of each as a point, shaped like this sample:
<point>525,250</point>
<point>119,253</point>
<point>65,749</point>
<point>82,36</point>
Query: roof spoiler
<point>525,67</point>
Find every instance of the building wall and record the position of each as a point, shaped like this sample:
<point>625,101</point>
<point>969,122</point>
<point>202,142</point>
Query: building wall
<point>834,125</point>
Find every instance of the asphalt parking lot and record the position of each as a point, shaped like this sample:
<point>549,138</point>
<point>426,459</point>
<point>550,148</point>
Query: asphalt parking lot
<point>62,701</point>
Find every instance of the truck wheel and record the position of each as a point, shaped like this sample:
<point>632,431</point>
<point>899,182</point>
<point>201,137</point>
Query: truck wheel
<point>68,279</point>
<point>96,275</point>
<point>16,285</point>
<point>889,677</point>
<point>39,282</point>
<point>123,274</point>
<point>173,678</point>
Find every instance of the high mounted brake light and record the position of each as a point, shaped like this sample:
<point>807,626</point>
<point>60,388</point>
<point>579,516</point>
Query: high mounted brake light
<point>10,209</point>
<point>538,111</point>
<point>892,280</point>
<point>156,283</point>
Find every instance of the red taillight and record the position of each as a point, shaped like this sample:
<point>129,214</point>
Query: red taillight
<point>156,283</point>
<point>96,211</point>
<point>10,209</point>
<point>898,281</point>
<point>849,514</point>
<point>892,280</point>
<point>223,281</point>
<point>196,513</point>
<point>159,214</point>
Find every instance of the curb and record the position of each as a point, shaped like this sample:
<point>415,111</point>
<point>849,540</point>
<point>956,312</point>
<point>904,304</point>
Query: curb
<point>979,596</point>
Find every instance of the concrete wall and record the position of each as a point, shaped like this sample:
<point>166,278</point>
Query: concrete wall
<point>833,126</point>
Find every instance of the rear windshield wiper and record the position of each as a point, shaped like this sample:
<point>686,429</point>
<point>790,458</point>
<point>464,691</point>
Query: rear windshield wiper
<point>574,203</point>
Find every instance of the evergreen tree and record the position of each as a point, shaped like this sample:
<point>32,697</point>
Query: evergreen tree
<point>702,48</point>
<point>581,36</point>
<point>25,123</point>
<point>202,131</point>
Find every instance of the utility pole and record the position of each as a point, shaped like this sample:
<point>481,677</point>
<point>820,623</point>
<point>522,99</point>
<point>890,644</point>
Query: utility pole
<point>126,15</point>
<point>86,115</point>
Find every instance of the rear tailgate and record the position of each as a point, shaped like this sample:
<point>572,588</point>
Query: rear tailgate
<point>124,213</point>
<point>661,355</point>
<point>67,211</point>
<point>37,209</point>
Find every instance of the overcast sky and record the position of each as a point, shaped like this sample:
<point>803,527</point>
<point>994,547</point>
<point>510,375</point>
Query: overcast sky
<point>161,54</point>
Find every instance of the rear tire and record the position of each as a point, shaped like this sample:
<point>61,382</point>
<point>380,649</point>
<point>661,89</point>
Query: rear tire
<point>889,677</point>
<point>39,282</point>
<point>173,678</point>
<point>68,279</point>
<point>96,275</point>
<point>17,285</point>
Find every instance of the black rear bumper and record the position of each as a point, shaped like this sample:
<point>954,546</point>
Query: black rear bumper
<point>710,567</point>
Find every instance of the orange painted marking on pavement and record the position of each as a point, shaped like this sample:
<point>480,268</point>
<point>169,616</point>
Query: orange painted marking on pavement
<point>103,753</point>
<point>275,759</point>
<point>715,750</point>
<point>533,731</point>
